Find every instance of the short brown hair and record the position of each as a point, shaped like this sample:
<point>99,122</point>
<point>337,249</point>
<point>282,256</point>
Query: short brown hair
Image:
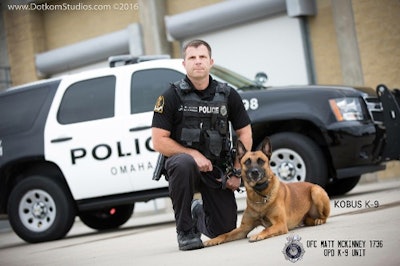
<point>195,44</point>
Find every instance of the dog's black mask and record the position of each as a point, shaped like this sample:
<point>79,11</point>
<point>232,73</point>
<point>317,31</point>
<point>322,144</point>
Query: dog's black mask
<point>255,172</point>
<point>254,164</point>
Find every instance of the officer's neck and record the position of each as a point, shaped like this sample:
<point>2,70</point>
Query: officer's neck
<point>200,84</point>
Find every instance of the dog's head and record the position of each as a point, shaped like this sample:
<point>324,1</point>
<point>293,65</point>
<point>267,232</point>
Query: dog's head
<point>255,165</point>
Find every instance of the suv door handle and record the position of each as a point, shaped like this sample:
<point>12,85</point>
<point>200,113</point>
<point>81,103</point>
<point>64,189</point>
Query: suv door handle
<point>139,128</point>
<point>60,139</point>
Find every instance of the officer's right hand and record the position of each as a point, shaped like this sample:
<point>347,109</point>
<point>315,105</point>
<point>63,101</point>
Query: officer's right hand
<point>202,162</point>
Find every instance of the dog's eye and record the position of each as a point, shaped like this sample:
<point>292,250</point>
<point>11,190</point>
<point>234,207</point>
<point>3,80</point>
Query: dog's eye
<point>260,161</point>
<point>247,162</point>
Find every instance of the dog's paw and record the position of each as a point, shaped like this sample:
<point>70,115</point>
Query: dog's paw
<point>256,238</point>
<point>211,242</point>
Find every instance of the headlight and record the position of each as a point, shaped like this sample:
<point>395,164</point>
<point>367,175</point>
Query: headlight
<point>347,109</point>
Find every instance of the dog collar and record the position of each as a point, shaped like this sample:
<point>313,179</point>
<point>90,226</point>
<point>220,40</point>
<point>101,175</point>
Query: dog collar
<point>261,187</point>
<point>265,198</point>
<point>258,188</point>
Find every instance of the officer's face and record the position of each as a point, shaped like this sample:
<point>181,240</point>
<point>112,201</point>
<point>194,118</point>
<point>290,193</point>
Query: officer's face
<point>197,62</point>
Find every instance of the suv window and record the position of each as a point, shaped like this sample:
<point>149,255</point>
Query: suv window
<point>88,100</point>
<point>147,85</point>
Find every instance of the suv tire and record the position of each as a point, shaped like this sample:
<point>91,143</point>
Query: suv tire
<point>40,209</point>
<point>107,218</point>
<point>297,158</point>
<point>342,186</point>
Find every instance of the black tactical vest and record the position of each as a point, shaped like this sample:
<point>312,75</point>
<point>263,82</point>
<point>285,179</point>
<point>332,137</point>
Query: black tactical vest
<point>204,124</point>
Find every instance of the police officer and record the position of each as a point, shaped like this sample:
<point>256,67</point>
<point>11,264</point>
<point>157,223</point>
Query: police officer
<point>190,127</point>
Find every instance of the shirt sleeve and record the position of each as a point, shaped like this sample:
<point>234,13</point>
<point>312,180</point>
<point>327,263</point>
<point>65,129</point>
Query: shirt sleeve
<point>164,110</point>
<point>237,114</point>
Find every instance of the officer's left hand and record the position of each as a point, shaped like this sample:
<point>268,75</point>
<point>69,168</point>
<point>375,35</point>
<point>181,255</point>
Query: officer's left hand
<point>233,183</point>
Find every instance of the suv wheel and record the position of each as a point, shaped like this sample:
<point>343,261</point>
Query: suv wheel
<point>40,209</point>
<point>297,158</point>
<point>107,218</point>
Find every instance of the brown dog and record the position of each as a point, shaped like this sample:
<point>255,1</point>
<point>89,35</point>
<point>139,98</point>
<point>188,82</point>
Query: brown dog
<point>277,206</point>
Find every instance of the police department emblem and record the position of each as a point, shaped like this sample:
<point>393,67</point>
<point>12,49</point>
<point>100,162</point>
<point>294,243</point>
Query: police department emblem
<point>159,107</point>
<point>223,110</point>
<point>293,250</point>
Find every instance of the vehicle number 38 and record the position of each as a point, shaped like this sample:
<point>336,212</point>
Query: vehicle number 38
<point>250,104</point>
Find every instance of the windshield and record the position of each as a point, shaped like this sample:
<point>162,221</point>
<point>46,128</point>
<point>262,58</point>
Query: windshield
<point>232,78</point>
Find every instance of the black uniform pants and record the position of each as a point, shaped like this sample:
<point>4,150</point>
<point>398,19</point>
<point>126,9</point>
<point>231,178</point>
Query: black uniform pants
<point>219,205</point>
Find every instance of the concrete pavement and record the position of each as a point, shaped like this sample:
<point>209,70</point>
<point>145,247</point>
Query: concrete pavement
<point>362,230</point>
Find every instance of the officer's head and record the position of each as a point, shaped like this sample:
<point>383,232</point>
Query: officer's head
<point>195,44</point>
<point>198,62</point>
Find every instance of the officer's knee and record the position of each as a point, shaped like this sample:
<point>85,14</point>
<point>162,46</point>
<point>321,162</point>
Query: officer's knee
<point>181,162</point>
<point>185,159</point>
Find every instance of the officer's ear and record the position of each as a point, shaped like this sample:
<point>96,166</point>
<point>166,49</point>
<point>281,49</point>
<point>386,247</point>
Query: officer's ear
<point>211,62</point>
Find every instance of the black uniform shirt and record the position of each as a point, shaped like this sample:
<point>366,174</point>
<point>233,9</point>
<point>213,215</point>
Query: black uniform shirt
<point>168,109</point>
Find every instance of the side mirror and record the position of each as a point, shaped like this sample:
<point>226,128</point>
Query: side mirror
<point>261,78</point>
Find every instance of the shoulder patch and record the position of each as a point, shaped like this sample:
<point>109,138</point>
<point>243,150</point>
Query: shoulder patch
<point>159,107</point>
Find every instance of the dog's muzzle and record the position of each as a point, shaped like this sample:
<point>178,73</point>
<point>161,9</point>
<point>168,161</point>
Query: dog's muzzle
<point>255,174</point>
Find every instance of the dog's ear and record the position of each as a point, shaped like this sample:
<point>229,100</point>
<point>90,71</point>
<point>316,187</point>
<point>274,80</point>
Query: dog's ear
<point>266,147</point>
<point>240,150</point>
